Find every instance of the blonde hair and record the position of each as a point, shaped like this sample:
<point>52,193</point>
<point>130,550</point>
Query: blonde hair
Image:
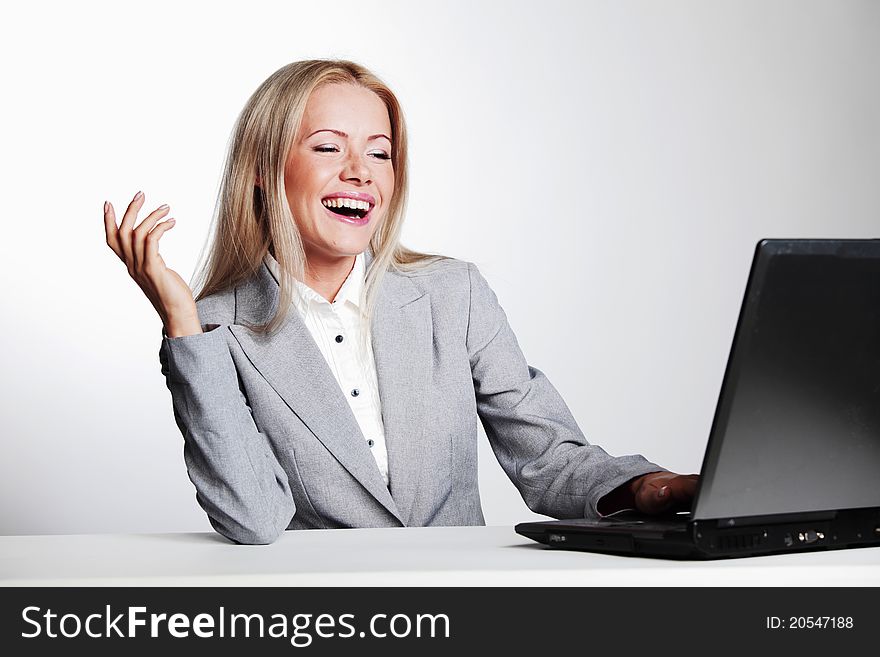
<point>249,219</point>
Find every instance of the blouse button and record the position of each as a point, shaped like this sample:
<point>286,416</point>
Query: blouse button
<point>355,392</point>
<point>339,338</point>
<point>370,442</point>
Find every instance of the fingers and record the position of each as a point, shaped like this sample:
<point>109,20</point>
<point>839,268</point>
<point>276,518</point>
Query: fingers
<point>152,259</point>
<point>138,247</point>
<point>125,228</point>
<point>687,486</point>
<point>137,237</point>
<point>131,244</point>
<point>653,496</point>
<point>111,230</point>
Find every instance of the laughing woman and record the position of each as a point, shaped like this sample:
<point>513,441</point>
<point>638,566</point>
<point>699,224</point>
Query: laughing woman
<point>327,376</point>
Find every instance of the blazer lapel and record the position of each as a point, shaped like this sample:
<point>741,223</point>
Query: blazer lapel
<point>402,338</point>
<point>292,364</point>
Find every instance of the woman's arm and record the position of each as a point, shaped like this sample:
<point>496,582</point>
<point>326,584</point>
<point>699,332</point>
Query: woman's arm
<point>239,482</point>
<point>531,430</point>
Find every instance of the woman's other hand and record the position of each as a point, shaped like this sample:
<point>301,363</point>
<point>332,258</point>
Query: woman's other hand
<point>665,492</point>
<point>138,248</point>
<point>653,493</point>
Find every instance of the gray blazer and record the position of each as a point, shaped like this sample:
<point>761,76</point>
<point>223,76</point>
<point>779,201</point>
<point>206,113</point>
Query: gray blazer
<point>270,442</point>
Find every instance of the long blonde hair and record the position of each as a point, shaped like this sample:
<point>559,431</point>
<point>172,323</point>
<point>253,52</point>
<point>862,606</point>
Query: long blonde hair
<point>249,219</point>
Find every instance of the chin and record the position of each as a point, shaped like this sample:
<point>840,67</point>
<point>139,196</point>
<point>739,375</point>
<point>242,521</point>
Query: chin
<point>347,250</point>
<point>351,247</point>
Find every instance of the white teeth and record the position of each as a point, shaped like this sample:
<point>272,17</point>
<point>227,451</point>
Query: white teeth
<point>346,203</point>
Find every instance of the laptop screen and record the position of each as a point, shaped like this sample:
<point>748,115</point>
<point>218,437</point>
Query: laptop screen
<point>797,427</point>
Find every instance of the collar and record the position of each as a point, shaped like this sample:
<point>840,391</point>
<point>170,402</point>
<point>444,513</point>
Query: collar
<point>256,298</point>
<point>305,296</point>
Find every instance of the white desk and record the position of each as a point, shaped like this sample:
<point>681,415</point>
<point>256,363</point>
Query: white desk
<point>433,556</point>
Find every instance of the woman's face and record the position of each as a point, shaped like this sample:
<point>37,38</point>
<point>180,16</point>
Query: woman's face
<point>339,177</point>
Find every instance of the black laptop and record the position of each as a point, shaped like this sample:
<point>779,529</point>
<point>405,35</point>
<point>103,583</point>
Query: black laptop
<point>793,458</point>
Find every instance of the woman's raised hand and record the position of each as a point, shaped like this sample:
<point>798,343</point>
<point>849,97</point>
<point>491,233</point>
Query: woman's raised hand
<point>138,248</point>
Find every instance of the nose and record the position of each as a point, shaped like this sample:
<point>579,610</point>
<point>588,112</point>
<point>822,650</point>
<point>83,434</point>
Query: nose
<point>355,170</point>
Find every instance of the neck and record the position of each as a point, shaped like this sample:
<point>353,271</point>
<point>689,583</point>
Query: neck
<point>326,276</point>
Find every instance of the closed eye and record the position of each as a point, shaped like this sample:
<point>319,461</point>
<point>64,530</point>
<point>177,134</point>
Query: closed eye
<point>380,155</point>
<point>326,148</point>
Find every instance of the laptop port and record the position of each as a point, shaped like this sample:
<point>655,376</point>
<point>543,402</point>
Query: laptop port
<point>810,536</point>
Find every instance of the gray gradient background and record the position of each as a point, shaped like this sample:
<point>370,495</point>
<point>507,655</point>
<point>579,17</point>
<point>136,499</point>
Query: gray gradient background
<point>609,166</point>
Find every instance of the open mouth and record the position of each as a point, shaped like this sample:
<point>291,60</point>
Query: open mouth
<point>348,207</point>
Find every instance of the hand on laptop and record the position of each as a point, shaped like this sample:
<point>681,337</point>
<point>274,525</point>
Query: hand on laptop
<point>663,492</point>
<point>653,493</point>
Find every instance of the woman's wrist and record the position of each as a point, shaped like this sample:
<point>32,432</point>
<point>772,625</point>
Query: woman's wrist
<point>622,497</point>
<point>177,326</point>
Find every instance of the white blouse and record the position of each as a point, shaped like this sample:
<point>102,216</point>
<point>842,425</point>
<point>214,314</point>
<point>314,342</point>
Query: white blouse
<point>336,328</point>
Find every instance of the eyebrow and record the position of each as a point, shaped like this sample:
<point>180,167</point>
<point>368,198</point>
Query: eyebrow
<point>342,134</point>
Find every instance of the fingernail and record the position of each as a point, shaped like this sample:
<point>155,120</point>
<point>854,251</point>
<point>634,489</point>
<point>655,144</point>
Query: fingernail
<point>105,207</point>
<point>138,195</point>
<point>662,492</point>
<point>163,207</point>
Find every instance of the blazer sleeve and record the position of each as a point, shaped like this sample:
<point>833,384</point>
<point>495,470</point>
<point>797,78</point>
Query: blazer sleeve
<point>530,428</point>
<point>238,480</point>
